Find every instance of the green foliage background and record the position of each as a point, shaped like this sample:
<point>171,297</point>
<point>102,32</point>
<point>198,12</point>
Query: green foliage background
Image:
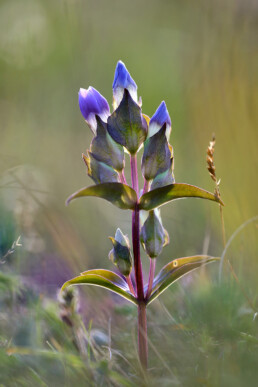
<point>199,56</point>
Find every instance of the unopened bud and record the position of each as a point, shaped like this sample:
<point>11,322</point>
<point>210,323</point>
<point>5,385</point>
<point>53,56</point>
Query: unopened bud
<point>120,255</point>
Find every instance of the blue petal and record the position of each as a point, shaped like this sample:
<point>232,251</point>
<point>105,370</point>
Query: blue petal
<point>122,77</point>
<point>92,103</point>
<point>160,117</point>
<point>123,80</point>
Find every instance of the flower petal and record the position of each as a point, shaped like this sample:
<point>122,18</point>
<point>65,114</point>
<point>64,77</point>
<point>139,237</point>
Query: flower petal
<point>91,102</point>
<point>160,117</point>
<point>123,80</point>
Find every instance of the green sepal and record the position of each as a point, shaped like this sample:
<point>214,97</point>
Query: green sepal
<point>164,178</point>
<point>121,195</point>
<point>98,171</point>
<point>105,149</point>
<point>153,235</point>
<point>120,255</point>
<point>175,270</point>
<point>156,155</point>
<point>126,125</point>
<point>162,195</point>
<point>103,278</point>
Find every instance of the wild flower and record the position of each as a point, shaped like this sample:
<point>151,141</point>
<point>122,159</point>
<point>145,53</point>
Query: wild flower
<point>125,131</point>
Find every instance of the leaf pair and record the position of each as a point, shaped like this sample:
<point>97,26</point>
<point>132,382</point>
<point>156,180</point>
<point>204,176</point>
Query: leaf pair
<point>168,275</point>
<point>125,197</point>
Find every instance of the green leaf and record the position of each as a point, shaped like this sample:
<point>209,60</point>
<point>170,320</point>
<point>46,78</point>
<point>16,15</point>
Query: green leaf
<point>105,279</point>
<point>120,195</point>
<point>126,125</point>
<point>109,275</point>
<point>175,270</point>
<point>162,195</point>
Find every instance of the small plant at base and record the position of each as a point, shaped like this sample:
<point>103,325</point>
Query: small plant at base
<point>128,129</point>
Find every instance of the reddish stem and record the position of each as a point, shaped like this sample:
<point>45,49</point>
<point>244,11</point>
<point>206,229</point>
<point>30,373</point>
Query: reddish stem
<point>142,335</point>
<point>136,254</point>
<point>142,320</point>
<point>151,277</point>
<point>130,284</point>
<point>134,173</point>
<point>122,177</point>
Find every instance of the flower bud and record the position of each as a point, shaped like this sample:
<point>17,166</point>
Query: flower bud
<point>99,171</point>
<point>153,235</point>
<point>126,125</point>
<point>160,117</point>
<point>122,81</point>
<point>120,255</point>
<point>92,103</point>
<point>156,155</point>
<point>105,149</point>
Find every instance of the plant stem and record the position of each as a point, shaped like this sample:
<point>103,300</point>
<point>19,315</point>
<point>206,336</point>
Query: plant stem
<point>222,226</point>
<point>142,320</point>
<point>122,177</point>
<point>136,253</point>
<point>151,277</point>
<point>142,335</point>
<point>134,173</point>
<point>130,284</point>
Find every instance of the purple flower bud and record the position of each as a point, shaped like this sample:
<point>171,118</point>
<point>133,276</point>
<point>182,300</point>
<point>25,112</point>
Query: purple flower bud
<point>92,103</point>
<point>160,118</point>
<point>123,80</point>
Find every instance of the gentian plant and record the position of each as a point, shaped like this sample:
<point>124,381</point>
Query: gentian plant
<point>116,136</point>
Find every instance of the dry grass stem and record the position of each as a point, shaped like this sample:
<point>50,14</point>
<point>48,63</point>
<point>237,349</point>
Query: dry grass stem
<point>212,171</point>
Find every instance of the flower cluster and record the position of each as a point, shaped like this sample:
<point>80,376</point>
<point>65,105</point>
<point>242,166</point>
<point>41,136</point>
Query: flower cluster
<point>126,130</point>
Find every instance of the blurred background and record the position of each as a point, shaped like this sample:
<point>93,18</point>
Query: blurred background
<point>201,58</point>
